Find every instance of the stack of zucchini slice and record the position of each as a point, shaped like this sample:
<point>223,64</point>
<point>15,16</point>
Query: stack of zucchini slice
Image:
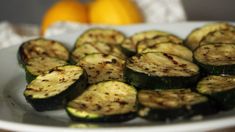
<point>219,88</point>
<point>160,81</point>
<point>51,81</point>
<point>214,48</point>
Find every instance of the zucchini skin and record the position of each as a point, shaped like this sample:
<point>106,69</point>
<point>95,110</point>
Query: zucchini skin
<point>225,100</point>
<point>28,76</point>
<point>127,52</point>
<point>204,109</point>
<point>216,70</point>
<point>144,81</point>
<point>59,100</point>
<point>20,57</point>
<point>110,119</point>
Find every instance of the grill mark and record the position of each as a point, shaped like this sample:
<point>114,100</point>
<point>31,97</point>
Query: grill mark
<point>171,58</point>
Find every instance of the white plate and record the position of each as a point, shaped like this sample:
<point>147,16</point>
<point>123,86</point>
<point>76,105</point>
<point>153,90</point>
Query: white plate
<point>16,114</point>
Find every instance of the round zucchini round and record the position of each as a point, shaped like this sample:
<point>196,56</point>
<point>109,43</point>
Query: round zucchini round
<point>149,43</point>
<point>216,58</point>
<point>101,67</point>
<point>41,65</point>
<point>176,104</point>
<point>94,35</point>
<point>155,70</point>
<point>170,48</point>
<point>97,47</point>
<point>219,88</point>
<point>221,36</point>
<point>130,44</point>
<point>41,48</point>
<point>194,38</point>
<point>52,90</point>
<point>108,101</point>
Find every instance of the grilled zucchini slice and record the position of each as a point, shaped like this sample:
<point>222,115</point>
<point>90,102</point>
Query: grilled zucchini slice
<point>41,65</point>
<point>157,70</point>
<point>216,58</point>
<point>129,45</point>
<point>98,47</point>
<point>221,36</point>
<point>101,67</point>
<point>41,48</point>
<point>194,38</point>
<point>174,104</point>
<point>92,35</point>
<point>51,91</point>
<point>148,43</point>
<point>219,88</point>
<point>109,101</point>
<point>171,48</point>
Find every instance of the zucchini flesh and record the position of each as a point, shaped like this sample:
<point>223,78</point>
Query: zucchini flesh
<point>168,105</point>
<point>101,67</point>
<point>41,48</point>
<point>41,65</point>
<point>98,47</point>
<point>171,48</point>
<point>194,38</point>
<point>148,43</point>
<point>221,36</point>
<point>216,58</point>
<point>51,91</point>
<point>129,45</point>
<point>155,70</point>
<point>219,88</point>
<point>109,101</point>
<point>93,35</point>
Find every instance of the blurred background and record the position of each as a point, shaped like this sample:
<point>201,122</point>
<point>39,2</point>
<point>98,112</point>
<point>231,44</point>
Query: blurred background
<point>31,11</point>
<point>21,19</point>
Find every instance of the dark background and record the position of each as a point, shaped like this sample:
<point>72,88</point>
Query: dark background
<point>31,11</point>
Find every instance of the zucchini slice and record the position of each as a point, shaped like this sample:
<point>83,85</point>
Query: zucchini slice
<point>101,67</point>
<point>155,70</point>
<point>194,38</point>
<point>219,88</point>
<point>41,48</point>
<point>129,45</point>
<point>51,91</point>
<point>174,104</point>
<point>171,48</point>
<point>221,36</point>
<point>216,58</point>
<point>98,47</point>
<point>92,35</point>
<point>148,43</point>
<point>109,101</point>
<point>41,65</point>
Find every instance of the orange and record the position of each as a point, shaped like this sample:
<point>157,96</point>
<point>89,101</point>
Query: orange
<point>114,12</point>
<point>65,10</point>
